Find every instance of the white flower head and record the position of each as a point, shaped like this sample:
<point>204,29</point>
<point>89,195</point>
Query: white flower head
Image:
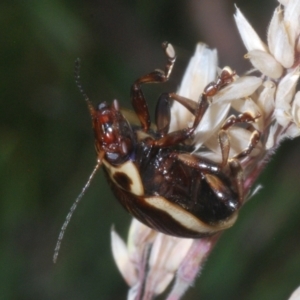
<point>278,62</point>
<point>250,115</point>
<point>150,255</point>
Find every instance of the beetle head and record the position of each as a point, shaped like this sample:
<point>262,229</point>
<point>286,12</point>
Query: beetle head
<point>113,134</point>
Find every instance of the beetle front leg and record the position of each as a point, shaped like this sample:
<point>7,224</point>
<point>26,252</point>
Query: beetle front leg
<point>163,110</point>
<point>157,76</point>
<point>162,113</point>
<point>163,119</point>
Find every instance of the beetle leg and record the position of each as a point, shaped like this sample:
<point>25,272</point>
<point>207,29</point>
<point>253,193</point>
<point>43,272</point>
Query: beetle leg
<point>202,164</point>
<point>225,78</point>
<point>189,104</point>
<point>162,114</point>
<point>224,145</point>
<point>254,139</point>
<point>236,171</point>
<point>237,175</point>
<point>178,136</point>
<point>242,118</point>
<point>224,138</point>
<point>211,172</point>
<point>157,76</point>
<point>173,138</point>
<point>162,111</point>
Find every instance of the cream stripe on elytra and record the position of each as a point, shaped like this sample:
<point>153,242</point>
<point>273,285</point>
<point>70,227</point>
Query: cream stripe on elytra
<point>186,219</point>
<point>128,169</point>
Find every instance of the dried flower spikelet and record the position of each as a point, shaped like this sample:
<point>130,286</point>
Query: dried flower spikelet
<point>280,45</point>
<point>122,259</point>
<point>279,63</point>
<point>265,100</point>
<point>236,96</point>
<point>166,255</point>
<point>128,257</point>
<point>284,97</point>
<point>191,266</point>
<point>265,62</point>
<point>201,70</point>
<point>139,234</point>
<point>148,254</point>
<point>249,36</point>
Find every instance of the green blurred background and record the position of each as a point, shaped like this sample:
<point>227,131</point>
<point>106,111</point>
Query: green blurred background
<point>47,152</point>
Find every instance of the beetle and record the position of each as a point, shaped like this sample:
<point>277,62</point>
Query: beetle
<point>153,172</point>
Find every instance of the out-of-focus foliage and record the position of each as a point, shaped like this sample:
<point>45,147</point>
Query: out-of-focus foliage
<point>46,147</point>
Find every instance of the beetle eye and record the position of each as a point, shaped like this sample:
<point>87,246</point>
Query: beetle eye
<point>112,156</point>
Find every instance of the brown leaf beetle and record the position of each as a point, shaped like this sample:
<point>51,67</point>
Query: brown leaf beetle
<point>153,173</point>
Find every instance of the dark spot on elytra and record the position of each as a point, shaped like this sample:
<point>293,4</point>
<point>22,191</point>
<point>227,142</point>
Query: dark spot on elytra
<point>123,180</point>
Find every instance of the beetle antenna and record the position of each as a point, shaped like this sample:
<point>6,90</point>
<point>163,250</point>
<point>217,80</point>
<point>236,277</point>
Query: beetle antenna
<point>71,211</point>
<point>79,85</point>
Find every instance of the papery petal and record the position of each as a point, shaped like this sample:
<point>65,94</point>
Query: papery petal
<point>271,141</point>
<point>278,40</point>
<point>250,38</point>
<point>283,2</point>
<point>286,89</point>
<point>178,253</point>
<point>247,105</point>
<point>283,116</point>
<point>158,255</point>
<point>296,109</point>
<point>133,292</point>
<point>169,251</point>
<point>159,277</point>
<point>266,98</point>
<point>139,234</point>
<point>295,295</point>
<point>265,63</point>
<point>292,131</point>
<point>191,266</point>
<point>292,19</point>
<point>243,87</point>
<point>162,284</point>
<point>284,95</point>
<point>122,259</point>
<point>213,118</point>
<point>166,255</point>
<point>139,237</point>
<point>201,70</point>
